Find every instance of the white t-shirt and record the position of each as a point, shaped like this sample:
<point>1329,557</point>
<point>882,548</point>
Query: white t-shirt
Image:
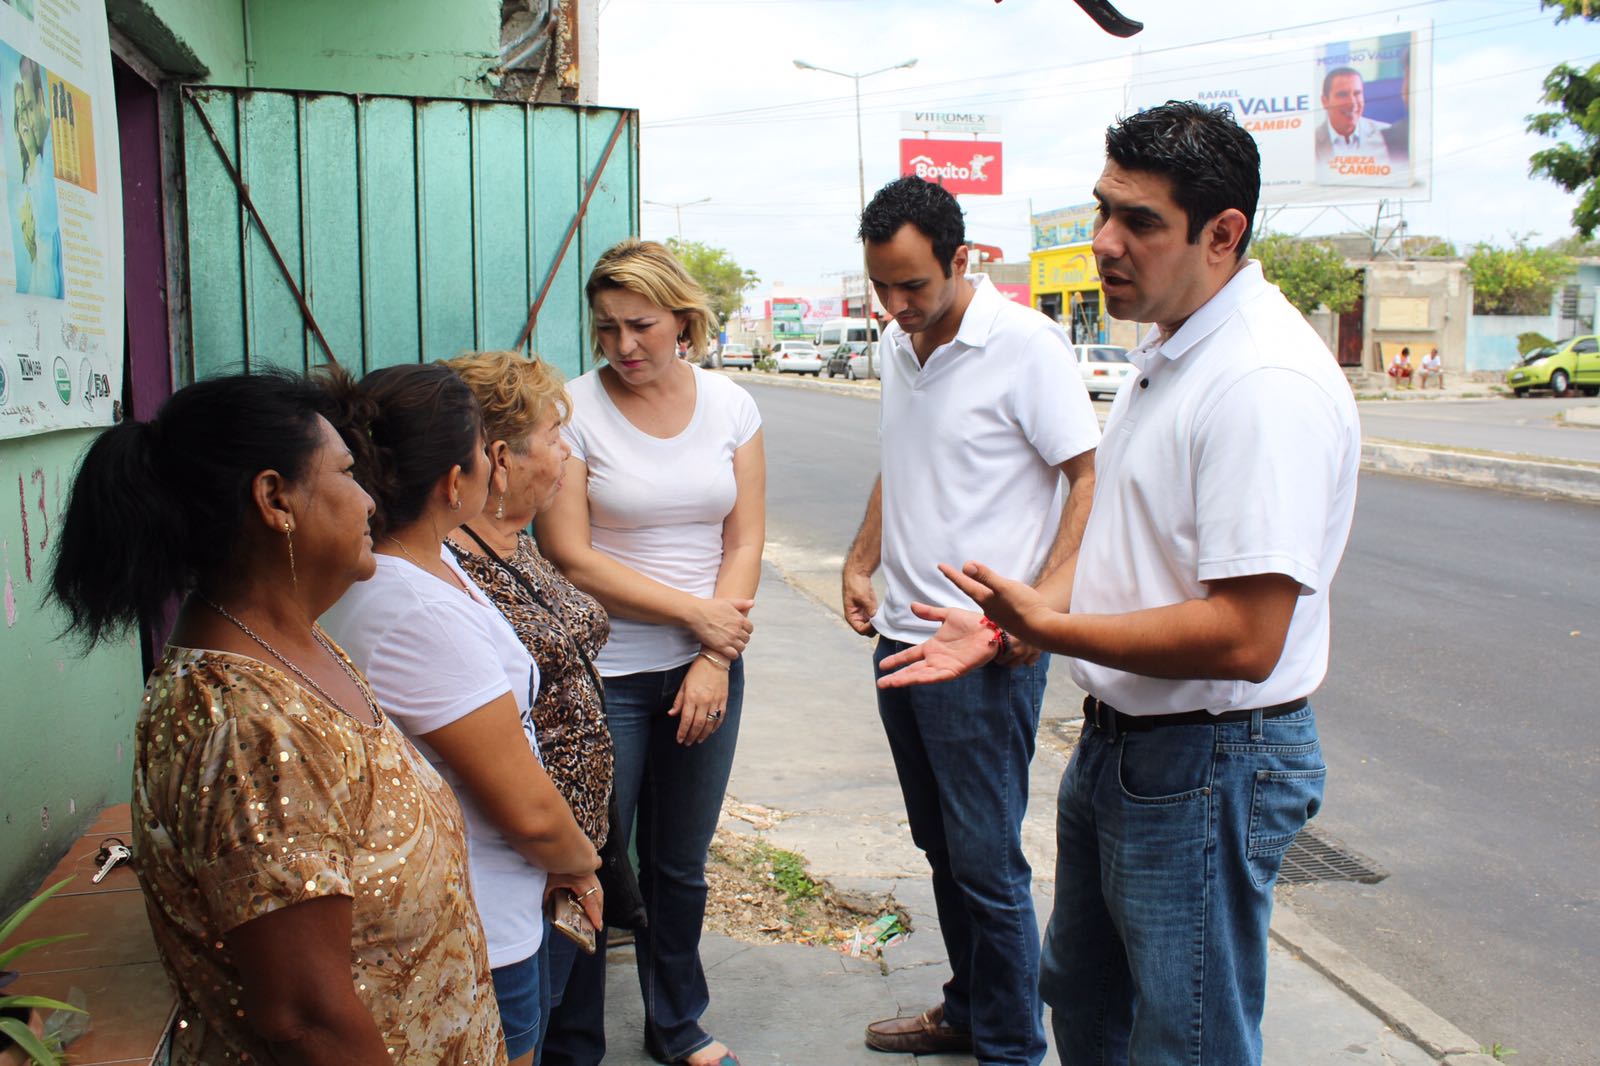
<point>1238,458</point>
<point>433,655</point>
<point>972,442</point>
<point>657,505</point>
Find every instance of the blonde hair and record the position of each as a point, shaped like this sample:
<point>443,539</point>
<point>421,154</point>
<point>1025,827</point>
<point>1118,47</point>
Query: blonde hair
<point>652,271</point>
<point>515,393</point>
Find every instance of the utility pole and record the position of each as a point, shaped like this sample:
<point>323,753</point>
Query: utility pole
<point>861,187</point>
<point>677,209</point>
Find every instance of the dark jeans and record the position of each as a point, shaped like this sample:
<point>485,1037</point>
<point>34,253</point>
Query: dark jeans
<point>674,793</point>
<point>962,749</point>
<point>1168,845</point>
<point>575,1034</point>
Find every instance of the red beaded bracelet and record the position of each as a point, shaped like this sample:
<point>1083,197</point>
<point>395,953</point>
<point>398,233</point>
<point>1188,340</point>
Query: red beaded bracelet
<point>999,640</point>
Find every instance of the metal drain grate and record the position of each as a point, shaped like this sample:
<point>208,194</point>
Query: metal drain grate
<point>1316,856</point>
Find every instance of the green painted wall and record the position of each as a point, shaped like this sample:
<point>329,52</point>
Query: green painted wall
<point>403,47</point>
<point>65,718</point>
<point>199,40</point>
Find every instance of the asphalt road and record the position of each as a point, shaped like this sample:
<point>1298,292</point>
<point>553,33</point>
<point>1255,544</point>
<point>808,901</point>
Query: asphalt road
<point>1458,719</point>
<point>1517,427</point>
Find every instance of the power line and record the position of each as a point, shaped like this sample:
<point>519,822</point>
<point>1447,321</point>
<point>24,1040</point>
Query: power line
<point>1051,68</point>
<point>1093,83</point>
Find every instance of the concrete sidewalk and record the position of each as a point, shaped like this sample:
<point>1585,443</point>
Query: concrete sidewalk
<point>811,748</point>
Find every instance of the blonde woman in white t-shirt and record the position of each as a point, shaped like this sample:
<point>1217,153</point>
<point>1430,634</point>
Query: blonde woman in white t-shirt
<point>452,673</point>
<point>661,518</point>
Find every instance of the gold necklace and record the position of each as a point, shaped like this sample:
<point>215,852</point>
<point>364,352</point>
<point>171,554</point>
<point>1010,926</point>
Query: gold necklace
<point>372,702</point>
<point>453,579</point>
<point>396,542</point>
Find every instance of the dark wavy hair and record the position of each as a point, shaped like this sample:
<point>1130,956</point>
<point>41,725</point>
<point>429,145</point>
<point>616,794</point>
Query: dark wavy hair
<point>406,426</point>
<point>1213,162</point>
<point>929,207</point>
<point>158,506</point>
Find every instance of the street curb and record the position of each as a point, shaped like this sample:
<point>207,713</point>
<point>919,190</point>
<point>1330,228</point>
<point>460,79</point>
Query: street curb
<point>1565,481</point>
<point>1400,1010</point>
<point>800,381</point>
<point>1570,482</point>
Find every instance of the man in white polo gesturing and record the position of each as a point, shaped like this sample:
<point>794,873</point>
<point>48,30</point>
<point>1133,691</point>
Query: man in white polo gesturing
<point>983,414</point>
<point>1224,493</point>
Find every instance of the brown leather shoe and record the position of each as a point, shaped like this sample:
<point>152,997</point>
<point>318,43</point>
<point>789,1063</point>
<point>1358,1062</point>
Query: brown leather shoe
<point>926,1034</point>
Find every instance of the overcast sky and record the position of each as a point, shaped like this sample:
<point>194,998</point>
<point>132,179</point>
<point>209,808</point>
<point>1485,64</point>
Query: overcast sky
<point>727,115</point>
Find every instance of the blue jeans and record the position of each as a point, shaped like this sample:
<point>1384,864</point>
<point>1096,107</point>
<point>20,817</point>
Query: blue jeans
<point>575,1034</point>
<point>522,992</point>
<point>1168,847</point>
<point>674,793</point>
<point>961,749</point>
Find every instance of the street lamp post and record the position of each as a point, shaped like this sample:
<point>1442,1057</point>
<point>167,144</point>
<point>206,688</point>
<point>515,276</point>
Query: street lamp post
<point>677,209</point>
<point>861,186</point>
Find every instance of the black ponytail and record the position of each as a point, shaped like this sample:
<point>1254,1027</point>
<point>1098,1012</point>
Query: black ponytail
<point>156,505</point>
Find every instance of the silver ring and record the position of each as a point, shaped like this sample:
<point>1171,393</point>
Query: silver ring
<point>714,716</point>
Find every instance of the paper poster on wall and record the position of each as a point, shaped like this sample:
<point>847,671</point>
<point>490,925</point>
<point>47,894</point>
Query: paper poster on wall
<point>61,324</point>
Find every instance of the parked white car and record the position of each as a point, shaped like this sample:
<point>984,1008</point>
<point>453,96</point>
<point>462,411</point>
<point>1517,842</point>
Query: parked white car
<point>850,361</point>
<point>798,357</point>
<point>737,355</point>
<point>1103,367</point>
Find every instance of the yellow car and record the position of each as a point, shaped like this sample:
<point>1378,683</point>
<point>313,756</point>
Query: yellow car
<point>1566,364</point>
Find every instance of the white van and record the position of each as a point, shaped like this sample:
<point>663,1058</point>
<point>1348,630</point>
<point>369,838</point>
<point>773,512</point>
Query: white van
<point>837,331</point>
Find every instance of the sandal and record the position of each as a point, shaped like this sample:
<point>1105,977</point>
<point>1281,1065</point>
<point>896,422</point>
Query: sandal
<point>728,1058</point>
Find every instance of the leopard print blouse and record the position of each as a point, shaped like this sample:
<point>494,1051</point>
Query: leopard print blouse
<point>569,715</point>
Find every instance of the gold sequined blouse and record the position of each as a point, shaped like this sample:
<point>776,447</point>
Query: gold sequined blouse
<point>249,795</point>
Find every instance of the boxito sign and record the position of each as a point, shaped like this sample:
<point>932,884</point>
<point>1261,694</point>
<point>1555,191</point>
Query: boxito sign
<point>960,166</point>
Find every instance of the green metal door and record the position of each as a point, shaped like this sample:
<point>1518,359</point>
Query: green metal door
<point>414,229</point>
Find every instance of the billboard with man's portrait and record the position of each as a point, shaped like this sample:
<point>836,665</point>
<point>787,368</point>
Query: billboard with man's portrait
<point>1336,121</point>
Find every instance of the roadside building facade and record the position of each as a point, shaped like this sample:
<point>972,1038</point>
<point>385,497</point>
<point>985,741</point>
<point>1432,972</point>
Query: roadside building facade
<point>367,182</point>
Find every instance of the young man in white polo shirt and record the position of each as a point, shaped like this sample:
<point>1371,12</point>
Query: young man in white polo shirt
<point>1199,613</point>
<point>983,413</point>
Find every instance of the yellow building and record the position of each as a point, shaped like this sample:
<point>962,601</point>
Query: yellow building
<point>1064,283</point>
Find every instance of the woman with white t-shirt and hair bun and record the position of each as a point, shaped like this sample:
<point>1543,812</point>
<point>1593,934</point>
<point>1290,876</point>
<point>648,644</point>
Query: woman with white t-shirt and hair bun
<point>450,670</point>
<point>661,518</point>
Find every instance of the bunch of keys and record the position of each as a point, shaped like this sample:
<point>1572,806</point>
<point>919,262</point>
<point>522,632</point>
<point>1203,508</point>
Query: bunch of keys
<point>112,854</point>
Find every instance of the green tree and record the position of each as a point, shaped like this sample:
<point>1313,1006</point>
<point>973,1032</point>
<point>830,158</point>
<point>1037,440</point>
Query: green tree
<point>724,280</point>
<point>1516,281</point>
<point>1427,248</point>
<point>1577,246</point>
<point>1310,273</point>
<point>1573,164</point>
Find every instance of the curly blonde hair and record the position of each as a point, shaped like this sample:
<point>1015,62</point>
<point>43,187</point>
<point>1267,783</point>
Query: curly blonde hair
<point>652,271</point>
<point>515,393</point>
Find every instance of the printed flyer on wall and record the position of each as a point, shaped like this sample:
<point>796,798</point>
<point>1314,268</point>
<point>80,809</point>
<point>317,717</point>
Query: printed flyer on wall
<point>61,257</point>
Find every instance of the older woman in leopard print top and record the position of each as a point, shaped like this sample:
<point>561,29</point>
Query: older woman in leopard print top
<point>524,405</point>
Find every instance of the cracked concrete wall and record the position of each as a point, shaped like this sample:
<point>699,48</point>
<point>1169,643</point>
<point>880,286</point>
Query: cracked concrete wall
<point>403,47</point>
<point>196,40</point>
<point>65,716</point>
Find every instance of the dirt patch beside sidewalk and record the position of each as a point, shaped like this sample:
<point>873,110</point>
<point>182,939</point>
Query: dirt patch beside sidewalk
<point>763,894</point>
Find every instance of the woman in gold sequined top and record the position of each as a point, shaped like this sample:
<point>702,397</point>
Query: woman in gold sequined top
<point>304,869</point>
<point>524,406</point>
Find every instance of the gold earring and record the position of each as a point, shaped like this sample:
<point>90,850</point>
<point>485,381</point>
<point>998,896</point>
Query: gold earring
<point>288,534</point>
<point>500,511</point>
